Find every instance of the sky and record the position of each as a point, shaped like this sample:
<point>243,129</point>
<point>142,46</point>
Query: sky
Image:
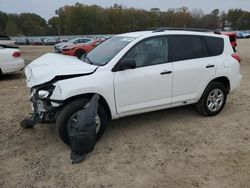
<point>46,8</point>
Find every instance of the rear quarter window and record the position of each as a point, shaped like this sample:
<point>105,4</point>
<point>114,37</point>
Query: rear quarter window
<point>215,45</point>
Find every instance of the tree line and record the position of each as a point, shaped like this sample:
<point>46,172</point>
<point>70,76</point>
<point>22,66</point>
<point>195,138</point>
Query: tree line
<point>82,19</point>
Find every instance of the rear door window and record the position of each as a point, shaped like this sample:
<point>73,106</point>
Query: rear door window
<point>184,47</point>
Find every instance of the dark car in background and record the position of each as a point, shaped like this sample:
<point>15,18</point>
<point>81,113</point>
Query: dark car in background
<point>22,41</point>
<point>36,41</point>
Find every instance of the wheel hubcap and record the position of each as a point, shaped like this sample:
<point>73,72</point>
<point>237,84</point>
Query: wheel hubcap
<point>73,119</point>
<point>215,100</point>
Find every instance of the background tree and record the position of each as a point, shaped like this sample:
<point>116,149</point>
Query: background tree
<point>82,19</point>
<point>233,17</point>
<point>3,22</point>
<point>244,21</point>
<point>32,24</point>
<point>12,27</point>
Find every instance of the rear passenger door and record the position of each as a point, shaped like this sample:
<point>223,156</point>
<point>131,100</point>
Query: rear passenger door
<point>194,66</point>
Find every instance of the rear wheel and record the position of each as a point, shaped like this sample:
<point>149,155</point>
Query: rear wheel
<point>67,118</point>
<point>79,53</point>
<point>213,99</point>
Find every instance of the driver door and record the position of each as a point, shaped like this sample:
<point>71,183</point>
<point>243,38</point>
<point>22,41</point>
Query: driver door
<point>149,85</point>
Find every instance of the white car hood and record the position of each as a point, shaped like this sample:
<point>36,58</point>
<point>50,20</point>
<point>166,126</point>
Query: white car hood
<point>50,65</point>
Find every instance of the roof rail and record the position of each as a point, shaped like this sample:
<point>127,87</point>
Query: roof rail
<point>161,29</point>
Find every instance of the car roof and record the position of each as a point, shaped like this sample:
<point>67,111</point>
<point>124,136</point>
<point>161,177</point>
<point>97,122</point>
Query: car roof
<point>168,32</point>
<point>82,38</point>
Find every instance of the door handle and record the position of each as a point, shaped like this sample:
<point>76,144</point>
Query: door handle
<point>210,66</point>
<point>166,72</point>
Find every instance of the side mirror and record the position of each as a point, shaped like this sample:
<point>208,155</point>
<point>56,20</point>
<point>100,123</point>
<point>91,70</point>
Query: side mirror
<point>127,63</point>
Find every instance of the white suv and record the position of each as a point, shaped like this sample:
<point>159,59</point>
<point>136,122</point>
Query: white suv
<point>134,73</point>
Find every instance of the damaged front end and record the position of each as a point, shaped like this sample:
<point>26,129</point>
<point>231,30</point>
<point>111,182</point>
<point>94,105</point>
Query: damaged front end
<point>43,111</point>
<point>43,75</point>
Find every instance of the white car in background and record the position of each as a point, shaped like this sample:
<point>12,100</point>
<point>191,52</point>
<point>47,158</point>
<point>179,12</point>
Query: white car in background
<point>6,40</point>
<point>10,60</point>
<point>59,47</point>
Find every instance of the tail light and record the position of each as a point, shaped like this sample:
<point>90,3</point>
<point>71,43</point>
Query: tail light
<point>16,54</point>
<point>235,56</point>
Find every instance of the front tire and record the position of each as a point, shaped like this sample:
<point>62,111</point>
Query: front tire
<point>213,99</point>
<point>72,108</point>
<point>79,53</point>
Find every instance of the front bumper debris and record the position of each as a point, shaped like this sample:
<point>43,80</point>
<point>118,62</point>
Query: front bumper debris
<point>40,110</point>
<point>30,122</point>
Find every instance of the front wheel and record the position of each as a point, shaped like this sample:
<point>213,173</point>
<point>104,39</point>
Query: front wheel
<point>213,99</point>
<point>79,53</point>
<point>68,116</point>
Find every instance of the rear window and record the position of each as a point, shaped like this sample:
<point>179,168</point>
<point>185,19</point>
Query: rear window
<point>184,47</point>
<point>214,45</point>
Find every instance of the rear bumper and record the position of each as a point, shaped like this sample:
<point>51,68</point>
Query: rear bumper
<point>235,83</point>
<point>13,66</point>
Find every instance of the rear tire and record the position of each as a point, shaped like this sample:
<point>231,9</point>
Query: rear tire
<point>213,99</point>
<point>69,110</point>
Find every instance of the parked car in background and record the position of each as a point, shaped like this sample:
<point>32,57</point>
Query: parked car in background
<point>232,38</point>
<point>80,49</point>
<point>4,39</point>
<point>50,41</point>
<point>63,40</point>
<point>22,41</point>
<point>10,60</point>
<point>242,34</point>
<point>59,47</point>
<point>134,73</point>
<point>36,41</point>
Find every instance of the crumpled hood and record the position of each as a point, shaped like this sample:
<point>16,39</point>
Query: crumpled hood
<point>49,66</point>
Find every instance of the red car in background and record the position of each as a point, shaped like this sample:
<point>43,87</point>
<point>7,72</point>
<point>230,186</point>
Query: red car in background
<point>232,38</point>
<point>79,50</point>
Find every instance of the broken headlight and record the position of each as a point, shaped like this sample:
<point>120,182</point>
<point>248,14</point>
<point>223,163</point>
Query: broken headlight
<point>43,94</point>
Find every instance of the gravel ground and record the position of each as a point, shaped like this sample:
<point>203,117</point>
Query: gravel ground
<point>169,148</point>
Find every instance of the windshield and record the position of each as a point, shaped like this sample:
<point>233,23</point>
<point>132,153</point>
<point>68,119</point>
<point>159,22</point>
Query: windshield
<point>73,40</point>
<point>107,50</point>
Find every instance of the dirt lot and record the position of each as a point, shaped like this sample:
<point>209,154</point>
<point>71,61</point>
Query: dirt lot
<point>170,148</point>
